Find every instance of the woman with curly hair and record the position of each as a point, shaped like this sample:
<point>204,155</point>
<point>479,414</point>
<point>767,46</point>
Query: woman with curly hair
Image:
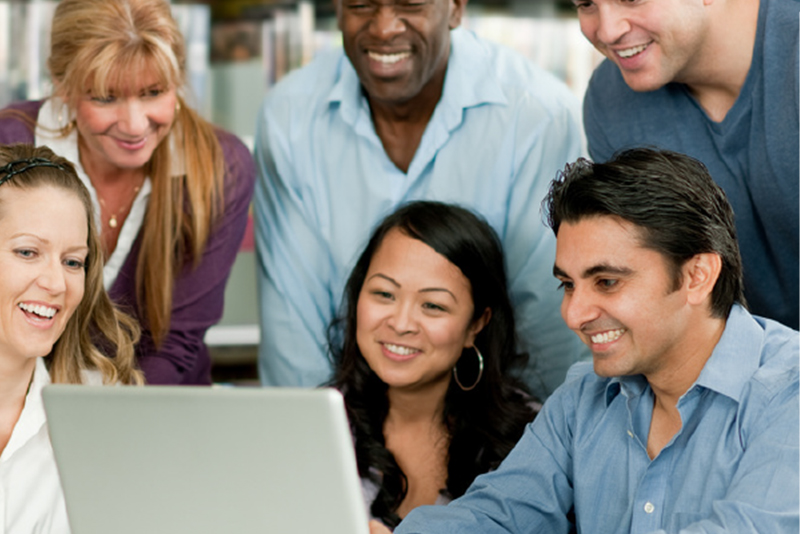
<point>426,360</point>
<point>57,324</point>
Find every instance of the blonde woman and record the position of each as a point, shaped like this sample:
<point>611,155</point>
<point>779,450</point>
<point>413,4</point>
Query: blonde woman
<point>54,317</point>
<point>170,191</point>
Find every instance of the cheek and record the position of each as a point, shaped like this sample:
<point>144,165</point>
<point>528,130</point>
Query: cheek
<point>90,120</point>
<point>449,336</point>
<point>163,114</point>
<point>76,289</point>
<point>367,317</point>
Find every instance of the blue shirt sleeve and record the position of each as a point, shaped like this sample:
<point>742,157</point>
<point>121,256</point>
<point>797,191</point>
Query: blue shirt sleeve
<point>293,272</point>
<point>530,492</point>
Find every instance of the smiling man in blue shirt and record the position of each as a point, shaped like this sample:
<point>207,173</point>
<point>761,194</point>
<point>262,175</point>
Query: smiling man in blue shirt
<point>688,420</point>
<point>412,108</point>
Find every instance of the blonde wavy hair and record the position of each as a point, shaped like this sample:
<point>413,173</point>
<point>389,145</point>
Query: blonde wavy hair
<point>102,45</point>
<point>96,320</point>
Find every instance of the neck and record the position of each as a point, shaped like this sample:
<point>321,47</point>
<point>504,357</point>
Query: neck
<point>687,361</point>
<point>721,68</point>
<point>420,406</point>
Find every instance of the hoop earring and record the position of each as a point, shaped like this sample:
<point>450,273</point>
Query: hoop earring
<point>480,372</point>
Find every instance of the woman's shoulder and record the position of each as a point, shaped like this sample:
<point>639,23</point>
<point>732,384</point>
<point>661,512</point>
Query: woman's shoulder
<point>239,161</point>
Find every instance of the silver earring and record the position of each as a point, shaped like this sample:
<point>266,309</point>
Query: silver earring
<point>480,372</point>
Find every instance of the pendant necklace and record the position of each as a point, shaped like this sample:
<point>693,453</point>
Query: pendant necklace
<point>112,221</point>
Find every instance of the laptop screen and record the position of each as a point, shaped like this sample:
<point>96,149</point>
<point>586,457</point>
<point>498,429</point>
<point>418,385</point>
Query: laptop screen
<point>165,459</point>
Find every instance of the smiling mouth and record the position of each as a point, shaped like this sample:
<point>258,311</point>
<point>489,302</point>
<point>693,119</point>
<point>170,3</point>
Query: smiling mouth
<point>400,350</point>
<point>132,145</point>
<point>388,59</point>
<point>633,51</point>
<point>607,337</point>
<point>42,312</point>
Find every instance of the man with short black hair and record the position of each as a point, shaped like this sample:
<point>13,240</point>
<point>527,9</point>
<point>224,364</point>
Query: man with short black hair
<point>688,419</point>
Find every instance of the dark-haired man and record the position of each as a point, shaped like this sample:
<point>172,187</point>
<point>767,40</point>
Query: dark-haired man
<point>412,109</point>
<point>717,80</point>
<point>688,420</point>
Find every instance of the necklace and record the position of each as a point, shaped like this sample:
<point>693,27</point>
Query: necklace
<point>112,220</point>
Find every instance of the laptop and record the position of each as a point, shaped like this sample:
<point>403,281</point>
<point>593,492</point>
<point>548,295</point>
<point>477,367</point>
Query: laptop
<point>203,460</point>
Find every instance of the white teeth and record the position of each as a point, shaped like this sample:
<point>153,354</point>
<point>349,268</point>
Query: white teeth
<point>608,337</point>
<point>399,349</point>
<point>630,52</point>
<point>42,311</point>
<point>388,59</point>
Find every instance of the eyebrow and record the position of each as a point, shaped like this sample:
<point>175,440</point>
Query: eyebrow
<point>440,290</point>
<point>602,268</point>
<point>425,290</point>
<point>47,241</point>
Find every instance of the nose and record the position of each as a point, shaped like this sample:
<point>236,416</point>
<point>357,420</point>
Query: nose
<point>52,279</point>
<point>578,309</point>
<point>132,118</point>
<point>402,319</point>
<point>386,24</point>
<point>612,23</point>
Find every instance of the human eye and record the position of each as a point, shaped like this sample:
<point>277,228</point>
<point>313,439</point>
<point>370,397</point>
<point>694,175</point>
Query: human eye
<point>381,294</point>
<point>433,307</point>
<point>103,99</point>
<point>607,283</point>
<point>358,6</point>
<point>565,285</point>
<point>582,5</point>
<point>25,253</point>
<point>153,92</point>
<point>413,4</point>
<point>76,264</point>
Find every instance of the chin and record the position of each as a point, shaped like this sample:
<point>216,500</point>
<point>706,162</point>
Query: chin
<point>643,84</point>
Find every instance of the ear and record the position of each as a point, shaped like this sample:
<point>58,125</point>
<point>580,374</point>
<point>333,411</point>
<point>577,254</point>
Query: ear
<point>700,276</point>
<point>476,327</point>
<point>457,8</point>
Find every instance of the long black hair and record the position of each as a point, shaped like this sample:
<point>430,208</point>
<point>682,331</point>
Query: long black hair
<point>483,423</point>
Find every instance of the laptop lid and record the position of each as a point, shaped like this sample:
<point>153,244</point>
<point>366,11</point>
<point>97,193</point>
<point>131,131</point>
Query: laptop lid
<point>162,459</point>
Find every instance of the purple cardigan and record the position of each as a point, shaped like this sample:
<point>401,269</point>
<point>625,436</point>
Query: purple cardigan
<point>199,291</point>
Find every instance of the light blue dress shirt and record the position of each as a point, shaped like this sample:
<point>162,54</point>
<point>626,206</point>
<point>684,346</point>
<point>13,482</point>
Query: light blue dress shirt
<point>732,468</point>
<point>499,134</point>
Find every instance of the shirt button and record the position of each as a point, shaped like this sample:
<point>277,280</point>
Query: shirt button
<point>649,508</point>
<point>630,433</point>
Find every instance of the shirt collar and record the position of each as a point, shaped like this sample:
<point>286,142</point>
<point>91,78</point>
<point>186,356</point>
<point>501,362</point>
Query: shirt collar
<point>732,362</point>
<point>469,82</point>
<point>736,356</point>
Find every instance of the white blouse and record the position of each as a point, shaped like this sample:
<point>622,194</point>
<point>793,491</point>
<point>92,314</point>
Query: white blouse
<point>31,500</point>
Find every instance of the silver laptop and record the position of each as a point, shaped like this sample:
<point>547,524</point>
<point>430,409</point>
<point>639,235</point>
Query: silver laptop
<point>203,460</point>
